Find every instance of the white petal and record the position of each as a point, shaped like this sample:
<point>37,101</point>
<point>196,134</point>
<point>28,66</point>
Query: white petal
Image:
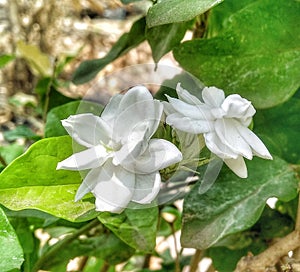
<point>195,126</point>
<point>185,96</point>
<point>227,131</point>
<point>114,188</point>
<point>216,146</point>
<point>146,188</point>
<point>238,166</point>
<point>160,154</point>
<point>111,109</point>
<point>237,107</point>
<point>87,129</point>
<point>168,108</point>
<point>134,95</point>
<point>88,184</point>
<point>87,159</point>
<point>256,144</point>
<point>132,149</point>
<point>192,111</point>
<point>213,96</point>
<point>142,113</point>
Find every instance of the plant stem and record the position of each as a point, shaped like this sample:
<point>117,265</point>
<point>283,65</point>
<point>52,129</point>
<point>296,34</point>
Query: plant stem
<point>60,245</point>
<point>2,161</point>
<point>296,253</point>
<point>195,260</point>
<point>105,267</point>
<point>177,261</point>
<point>271,255</point>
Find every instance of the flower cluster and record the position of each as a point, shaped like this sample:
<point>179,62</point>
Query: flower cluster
<point>123,157</point>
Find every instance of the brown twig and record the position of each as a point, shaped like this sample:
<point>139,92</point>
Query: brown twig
<point>195,260</point>
<point>271,255</point>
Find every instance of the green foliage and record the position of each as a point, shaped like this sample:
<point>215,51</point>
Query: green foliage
<point>20,132</point>
<point>279,127</point>
<point>233,57</point>
<point>174,11</point>
<point>32,181</point>
<point>164,38</point>
<point>10,249</point>
<point>136,227</point>
<point>53,125</point>
<point>90,68</point>
<point>221,211</point>
<point>4,59</point>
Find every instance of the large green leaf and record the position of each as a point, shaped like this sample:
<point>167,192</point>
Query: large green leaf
<point>136,227</point>
<point>10,249</point>
<point>279,128</point>
<point>173,11</point>
<point>234,204</point>
<point>163,39</point>
<point>53,125</point>
<point>32,182</point>
<point>90,68</point>
<point>252,50</point>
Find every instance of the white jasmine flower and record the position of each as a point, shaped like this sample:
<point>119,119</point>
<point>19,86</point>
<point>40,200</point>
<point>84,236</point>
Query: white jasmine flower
<point>123,159</point>
<point>222,121</point>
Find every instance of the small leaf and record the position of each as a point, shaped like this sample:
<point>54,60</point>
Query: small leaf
<point>136,227</point>
<point>10,249</point>
<point>163,39</point>
<point>10,152</point>
<point>20,132</point>
<point>53,125</point>
<point>174,11</point>
<point>90,68</point>
<point>38,62</point>
<point>4,59</point>
<point>234,204</point>
<point>233,59</point>
<point>32,182</point>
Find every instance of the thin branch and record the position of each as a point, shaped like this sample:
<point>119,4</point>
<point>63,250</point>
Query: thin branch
<point>58,247</point>
<point>195,260</point>
<point>177,261</point>
<point>271,255</point>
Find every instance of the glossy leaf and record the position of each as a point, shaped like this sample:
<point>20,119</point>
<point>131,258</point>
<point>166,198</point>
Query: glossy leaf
<point>233,58</point>
<point>279,128</point>
<point>53,125</point>
<point>173,11</point>
<point>10,249</point>
<point>136,227</point>
<point>32,182</point>
<point>90,68</point>
<point>164,38</point>
<point>234,204</point>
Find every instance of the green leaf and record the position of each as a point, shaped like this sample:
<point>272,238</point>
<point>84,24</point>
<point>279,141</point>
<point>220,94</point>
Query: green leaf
<point>32,182</point>
<point>278,127</point>
<point>39,63</point>
<point>10,249</point>
<point>102,245</point>
<point>20,132</point>
<point>136,227</point>
<point>53,125</point>
<point>234,59</point>
<point>10,152</point>
<point>90,68</point>
<point>225,260</point>
<point>234,204</point>
<point>4,59</point>
<point>174,11</point>
<point>163,39</point>
<point>129,1</point>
